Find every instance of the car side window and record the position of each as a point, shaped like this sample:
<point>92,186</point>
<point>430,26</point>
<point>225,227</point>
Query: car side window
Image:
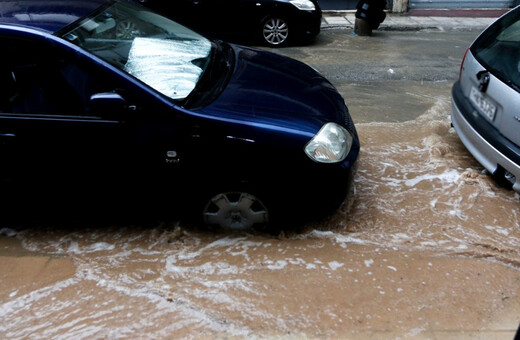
<point>42,81</point>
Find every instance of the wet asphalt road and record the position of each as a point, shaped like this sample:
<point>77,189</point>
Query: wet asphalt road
<point>391,76</point>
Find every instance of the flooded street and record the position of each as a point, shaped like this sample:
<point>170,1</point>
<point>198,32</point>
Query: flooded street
<point>426,247</point>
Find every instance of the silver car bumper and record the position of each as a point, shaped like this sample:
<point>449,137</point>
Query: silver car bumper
<point>483,151</point>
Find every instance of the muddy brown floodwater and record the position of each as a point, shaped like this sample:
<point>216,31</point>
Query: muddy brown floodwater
<point>426,247</point>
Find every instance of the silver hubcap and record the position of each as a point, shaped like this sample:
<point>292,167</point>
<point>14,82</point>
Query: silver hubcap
<point>127,30</point>
<point>275,31</point>
<point>237,211</point>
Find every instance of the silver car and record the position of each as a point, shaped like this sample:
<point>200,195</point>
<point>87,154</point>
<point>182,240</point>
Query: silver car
<point>486,99</point>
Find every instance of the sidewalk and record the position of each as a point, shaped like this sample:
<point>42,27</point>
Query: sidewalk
<point>419,19</point>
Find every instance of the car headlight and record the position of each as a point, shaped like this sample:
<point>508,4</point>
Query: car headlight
<point>330,145</point>
<point>304,5</point>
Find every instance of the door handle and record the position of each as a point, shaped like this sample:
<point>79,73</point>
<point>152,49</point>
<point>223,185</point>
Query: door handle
<point>7,135</point>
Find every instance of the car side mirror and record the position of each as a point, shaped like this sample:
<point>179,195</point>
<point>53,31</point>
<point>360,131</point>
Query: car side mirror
<point>108,104</point>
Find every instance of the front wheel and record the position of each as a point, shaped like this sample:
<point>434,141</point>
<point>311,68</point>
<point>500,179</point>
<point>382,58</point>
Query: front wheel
<point>275,31</point>
<point>236,211</point>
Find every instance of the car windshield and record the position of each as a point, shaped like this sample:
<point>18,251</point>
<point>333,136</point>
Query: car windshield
<point>159,52</point>
<point>498,49</point>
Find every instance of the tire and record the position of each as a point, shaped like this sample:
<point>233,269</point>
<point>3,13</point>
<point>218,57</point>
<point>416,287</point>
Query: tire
<point>275,31</point>
<point>235,211</point>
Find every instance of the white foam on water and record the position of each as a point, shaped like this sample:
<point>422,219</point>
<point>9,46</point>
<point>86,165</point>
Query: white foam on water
<point>447,177</point>
<point>335,265</point>
<point>416,189</point>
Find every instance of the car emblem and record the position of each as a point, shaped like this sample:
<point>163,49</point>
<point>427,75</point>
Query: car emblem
<point>171,154</point>
<point>172,157</point>
<point>483,78</point>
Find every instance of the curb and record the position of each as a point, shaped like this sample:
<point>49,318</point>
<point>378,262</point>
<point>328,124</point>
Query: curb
<point>408,22</point>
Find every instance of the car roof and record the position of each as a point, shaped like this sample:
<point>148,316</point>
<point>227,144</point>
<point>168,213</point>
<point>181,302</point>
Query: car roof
<point>50,16</point>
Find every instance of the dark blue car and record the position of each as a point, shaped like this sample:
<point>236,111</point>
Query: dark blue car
<point>104,100</point>
<point>273,23</point>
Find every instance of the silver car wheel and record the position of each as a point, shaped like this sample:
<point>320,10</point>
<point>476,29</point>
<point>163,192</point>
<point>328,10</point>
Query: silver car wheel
<point>275,31</point>
<point>235,210</point>
<point>127,30</point>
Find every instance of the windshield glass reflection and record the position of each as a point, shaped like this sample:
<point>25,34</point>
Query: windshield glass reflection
<point>159,52</point>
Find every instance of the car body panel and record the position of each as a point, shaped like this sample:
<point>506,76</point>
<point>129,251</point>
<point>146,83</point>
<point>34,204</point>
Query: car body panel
<point>502,96</point>
<point>250,136</point>
<point>299,92</point>
<point>486,101</point>
<point>484,142</point>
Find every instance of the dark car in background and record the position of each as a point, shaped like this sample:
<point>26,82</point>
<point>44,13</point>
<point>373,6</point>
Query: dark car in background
<point>486,99</point>
<point>270,22</point>
<point>92,112</point>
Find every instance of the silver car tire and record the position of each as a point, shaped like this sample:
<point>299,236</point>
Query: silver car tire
<point>275,31</point>
<point>236,211</point>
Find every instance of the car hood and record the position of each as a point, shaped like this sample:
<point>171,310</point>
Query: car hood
<point>269,88</point>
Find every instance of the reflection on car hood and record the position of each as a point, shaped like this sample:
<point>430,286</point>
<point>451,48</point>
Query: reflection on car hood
<point>270,88</point>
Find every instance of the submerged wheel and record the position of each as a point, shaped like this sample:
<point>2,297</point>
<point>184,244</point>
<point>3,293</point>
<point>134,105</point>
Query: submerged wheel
<point>235,210</point>
<point>275,31</point>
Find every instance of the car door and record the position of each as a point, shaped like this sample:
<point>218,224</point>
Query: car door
<point>71,126</point>
<point>49,136</point>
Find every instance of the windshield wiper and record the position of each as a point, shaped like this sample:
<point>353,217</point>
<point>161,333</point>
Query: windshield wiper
<point>214,78</point>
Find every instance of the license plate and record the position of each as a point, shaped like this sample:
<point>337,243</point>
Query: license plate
<point>481,103</point>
